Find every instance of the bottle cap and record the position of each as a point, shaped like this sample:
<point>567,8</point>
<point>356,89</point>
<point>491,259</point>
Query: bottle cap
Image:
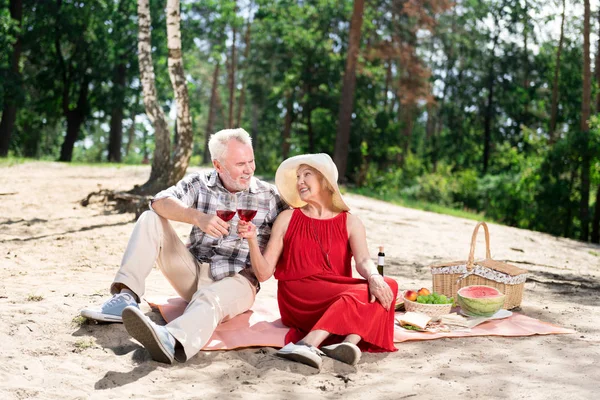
<point>381,249</point>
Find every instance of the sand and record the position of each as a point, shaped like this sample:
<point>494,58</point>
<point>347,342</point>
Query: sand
<point>57,257</point>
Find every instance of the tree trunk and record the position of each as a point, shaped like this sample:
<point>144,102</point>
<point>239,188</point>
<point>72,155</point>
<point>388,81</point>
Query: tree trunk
<point>211,114</point>
<point>232,79</point>
<point>287,127</point>
<point>183,149</point>
<point>131,130</point>
<point>584,211</point>
<point>489,109</point>
<point>219,106</point>
<point>522,117</point>
<point>130,136</point>
<point>146,157</point>
<point>342,141</point>
<point>407,119</point>
<point>242,99</point>
<point>569,216</point>
<point>75,119</point>
<point>115,140</point>
<point>598,67</point>
<point>554,109</point>
<point>159,174</point>
<point>9,113</point>
<point>596,221</point>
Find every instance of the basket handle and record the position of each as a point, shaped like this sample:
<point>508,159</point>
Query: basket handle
<point>473,242</point>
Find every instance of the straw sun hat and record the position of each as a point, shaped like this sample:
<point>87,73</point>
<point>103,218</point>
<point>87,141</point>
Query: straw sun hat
<point>285,178</point>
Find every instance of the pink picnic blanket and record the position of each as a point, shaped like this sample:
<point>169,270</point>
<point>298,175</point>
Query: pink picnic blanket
<point>261,326</point>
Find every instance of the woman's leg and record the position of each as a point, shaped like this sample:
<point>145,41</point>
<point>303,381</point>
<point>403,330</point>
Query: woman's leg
<point>353,338</point>
<point>314,338</point>
<point>346,351</point>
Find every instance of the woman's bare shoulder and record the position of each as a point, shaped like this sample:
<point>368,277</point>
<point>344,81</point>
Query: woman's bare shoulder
<point>284,217</point>
<point>353,222</point>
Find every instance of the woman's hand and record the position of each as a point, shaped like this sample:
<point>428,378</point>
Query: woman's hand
<point>247,230</point>
<point>380,290</point>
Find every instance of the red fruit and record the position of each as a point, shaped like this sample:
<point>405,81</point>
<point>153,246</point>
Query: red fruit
<point>423,292</point>
<point>410,295</point>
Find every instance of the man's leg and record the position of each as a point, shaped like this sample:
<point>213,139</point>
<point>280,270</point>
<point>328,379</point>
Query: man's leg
<point>155,241</point>
<point>211,304</point>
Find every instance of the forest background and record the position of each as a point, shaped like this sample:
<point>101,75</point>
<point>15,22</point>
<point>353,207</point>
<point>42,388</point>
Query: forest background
<point>490,106</point>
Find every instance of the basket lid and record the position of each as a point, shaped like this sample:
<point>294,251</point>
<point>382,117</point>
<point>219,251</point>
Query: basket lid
<point>499,266</point>
<point>447,264</point>
<point>503,267</point>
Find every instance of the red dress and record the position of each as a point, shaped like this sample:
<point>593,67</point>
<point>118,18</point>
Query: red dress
<point>313,294</point>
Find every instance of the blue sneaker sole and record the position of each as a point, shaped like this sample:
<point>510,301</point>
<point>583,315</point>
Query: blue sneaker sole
<point>138,326</point>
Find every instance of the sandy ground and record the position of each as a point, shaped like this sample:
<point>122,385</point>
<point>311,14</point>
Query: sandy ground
<point>57,257</point>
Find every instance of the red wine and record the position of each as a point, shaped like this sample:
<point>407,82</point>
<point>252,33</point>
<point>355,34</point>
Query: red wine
<point>246,215</point>
<point>225,215</point>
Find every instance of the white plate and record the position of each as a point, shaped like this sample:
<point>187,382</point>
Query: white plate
<point>500,314</point>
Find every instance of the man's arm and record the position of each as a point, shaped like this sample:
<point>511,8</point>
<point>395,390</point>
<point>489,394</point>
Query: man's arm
<point>174,209</point>
<point>263,265</point>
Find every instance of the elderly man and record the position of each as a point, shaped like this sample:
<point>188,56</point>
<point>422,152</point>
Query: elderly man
<point>212,272</point>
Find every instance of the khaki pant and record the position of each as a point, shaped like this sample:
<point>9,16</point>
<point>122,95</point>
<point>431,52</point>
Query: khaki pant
<point>210,302</point>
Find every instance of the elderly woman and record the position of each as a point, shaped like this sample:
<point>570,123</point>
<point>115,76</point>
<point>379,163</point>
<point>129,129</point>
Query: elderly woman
<point>310,253</point>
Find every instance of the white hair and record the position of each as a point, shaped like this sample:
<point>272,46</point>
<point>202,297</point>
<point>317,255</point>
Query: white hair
<point>217,144</point>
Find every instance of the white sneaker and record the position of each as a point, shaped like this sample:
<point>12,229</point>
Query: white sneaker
<point>111,310</point>
<point>303,353</point>
<point>155,338</point>
<point>345,352</point>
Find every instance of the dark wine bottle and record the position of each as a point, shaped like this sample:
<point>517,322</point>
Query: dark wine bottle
<point>380,260</point>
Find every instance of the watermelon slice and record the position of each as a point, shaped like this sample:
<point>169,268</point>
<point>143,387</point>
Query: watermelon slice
<point>480,300</point>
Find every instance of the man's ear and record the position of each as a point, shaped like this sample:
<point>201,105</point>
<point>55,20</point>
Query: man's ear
<point>217,165</point>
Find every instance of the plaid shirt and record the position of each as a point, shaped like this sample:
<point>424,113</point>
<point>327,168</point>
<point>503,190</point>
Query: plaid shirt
<point>226,256</point>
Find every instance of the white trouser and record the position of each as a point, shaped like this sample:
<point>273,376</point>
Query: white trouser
<point>210,302</point>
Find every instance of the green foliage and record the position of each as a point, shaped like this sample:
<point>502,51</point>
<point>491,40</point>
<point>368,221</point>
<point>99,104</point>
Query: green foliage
<point>482,65</point>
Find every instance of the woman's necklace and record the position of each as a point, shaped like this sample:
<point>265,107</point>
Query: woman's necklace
<point>317,239</point>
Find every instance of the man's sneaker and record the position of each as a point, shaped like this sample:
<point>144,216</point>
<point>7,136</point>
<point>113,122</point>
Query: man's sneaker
<point>345,352</point>
<point>155,338</point>
<point>303,353</point>
<point>111,310</point>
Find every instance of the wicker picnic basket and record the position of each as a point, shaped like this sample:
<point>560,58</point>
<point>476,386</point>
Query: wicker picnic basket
<point>449,277</point>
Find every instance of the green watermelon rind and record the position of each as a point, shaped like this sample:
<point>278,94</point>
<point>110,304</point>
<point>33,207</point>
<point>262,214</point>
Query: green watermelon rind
<point>482,306</point>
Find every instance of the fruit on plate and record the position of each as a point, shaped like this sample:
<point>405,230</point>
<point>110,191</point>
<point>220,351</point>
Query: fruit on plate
<point>423,292</point>
<point>410,295</point>
<point>480,300</point>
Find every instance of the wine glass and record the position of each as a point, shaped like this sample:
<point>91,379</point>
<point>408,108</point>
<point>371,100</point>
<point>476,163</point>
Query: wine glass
<point>226,206</point>
<point>247,206</point>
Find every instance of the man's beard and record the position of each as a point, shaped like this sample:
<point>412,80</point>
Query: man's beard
<point>236,186</point>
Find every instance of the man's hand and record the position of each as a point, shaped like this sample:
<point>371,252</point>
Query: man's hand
<point>380,290</point>
<point>211,224</point>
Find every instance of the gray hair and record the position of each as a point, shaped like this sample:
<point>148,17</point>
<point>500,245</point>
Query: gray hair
<point>217,144</point>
